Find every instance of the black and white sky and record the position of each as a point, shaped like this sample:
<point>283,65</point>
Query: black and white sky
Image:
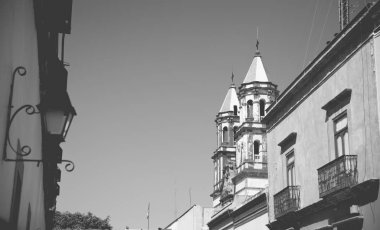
<point>147,78</point>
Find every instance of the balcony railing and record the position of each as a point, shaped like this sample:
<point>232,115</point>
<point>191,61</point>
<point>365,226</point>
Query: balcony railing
<point>338,174</point>
<point>251,165</point>
<point>287,200</point>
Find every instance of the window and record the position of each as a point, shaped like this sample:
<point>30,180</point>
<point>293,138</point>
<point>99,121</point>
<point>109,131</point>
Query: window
<point>235,129</point>
<point>262,107</point>
<point>290,172</point>
<point>341,135</point>
<point>215,172</point>
<point>235,110</point>
<point>250,109</point>
<point>221,169</point>
<point>337,114</point>
<point>218,167</point>
<point>256,147</point>
<point>225,135</point>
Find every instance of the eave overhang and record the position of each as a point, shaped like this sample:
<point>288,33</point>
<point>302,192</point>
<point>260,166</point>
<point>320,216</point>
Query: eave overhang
<point>219,218</point>
<point>254,203</point>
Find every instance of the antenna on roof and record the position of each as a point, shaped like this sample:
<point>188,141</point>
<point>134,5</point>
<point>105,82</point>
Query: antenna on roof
<point>344,13</point>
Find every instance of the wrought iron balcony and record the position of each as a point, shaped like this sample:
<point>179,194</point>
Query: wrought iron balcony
<point>251,168</point>
<point>338,174</point>
<point>286,201</point>
<point>251,165</point>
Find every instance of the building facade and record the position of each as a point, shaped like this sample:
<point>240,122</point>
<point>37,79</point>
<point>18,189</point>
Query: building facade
<point>240,160</point>
<point>323,136</point>
<point>33,97</point>
<point>195,218</point>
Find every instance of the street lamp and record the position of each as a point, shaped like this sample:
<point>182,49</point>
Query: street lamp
<point>57,113</point>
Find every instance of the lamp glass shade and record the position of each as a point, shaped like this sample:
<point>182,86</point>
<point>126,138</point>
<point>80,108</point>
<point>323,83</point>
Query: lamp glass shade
<point>69,119</point>
<point>55,121</point>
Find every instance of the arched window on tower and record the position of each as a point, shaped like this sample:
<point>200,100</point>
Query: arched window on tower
<point>235,130</point>
<point>262,107</point>
<point>225,135</point>
<point>235,110</point>
<point>256,148</point>
<point>250,109</point>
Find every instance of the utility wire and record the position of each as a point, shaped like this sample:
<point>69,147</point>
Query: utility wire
<point>324,25</point>
<point>311,30</point>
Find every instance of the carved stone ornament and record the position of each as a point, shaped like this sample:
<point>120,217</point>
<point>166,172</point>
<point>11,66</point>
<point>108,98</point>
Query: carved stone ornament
<point>228,174</point>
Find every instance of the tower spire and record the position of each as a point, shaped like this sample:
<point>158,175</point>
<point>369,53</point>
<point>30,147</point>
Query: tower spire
<point>232,77</point>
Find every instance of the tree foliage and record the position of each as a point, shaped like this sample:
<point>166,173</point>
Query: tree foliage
<point>79,221</point>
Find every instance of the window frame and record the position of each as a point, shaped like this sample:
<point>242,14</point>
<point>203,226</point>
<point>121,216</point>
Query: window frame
<point>292,167</point>
<point>341,133</point>
<point>256,143</point>
<point>225,135</point>
<point>262,103</point>
<point>250,108</point>
<point>338,106</point>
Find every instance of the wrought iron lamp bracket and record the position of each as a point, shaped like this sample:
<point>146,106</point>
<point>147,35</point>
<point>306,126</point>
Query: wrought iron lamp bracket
<point>24,150</point>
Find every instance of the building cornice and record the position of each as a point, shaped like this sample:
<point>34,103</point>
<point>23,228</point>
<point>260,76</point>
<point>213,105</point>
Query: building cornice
<point>250,173</point>
<point>256,87</point>
<point>257,205</point>
<point>237,215</point>
<point>350,40</point>
<point>250,127</point>
<point>226,117</point>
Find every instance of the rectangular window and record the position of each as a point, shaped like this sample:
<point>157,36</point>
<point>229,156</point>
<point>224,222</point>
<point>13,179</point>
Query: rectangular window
<point>218,169</point>
<point>215,173</point>
<point>341,135</point>
<point>221,168</point>
<point>290,171</point>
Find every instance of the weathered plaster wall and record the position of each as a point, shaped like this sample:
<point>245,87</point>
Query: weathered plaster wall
<point>194,219</point>
<point>18,45</point>
<point>259,223</point>
<point>314,145</point>
<point>250,186</point>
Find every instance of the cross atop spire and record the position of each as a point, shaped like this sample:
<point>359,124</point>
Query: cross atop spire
<point>257,43</point>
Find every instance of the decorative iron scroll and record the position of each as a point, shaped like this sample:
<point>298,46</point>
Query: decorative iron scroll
<point>24,150</point>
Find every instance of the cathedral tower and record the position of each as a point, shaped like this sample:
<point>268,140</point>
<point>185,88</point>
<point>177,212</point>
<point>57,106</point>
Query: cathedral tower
<point>227,121</point>
<point>255,95</point>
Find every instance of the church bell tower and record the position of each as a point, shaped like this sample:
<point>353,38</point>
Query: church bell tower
<point>227,121</point>
<point>256,93</point>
